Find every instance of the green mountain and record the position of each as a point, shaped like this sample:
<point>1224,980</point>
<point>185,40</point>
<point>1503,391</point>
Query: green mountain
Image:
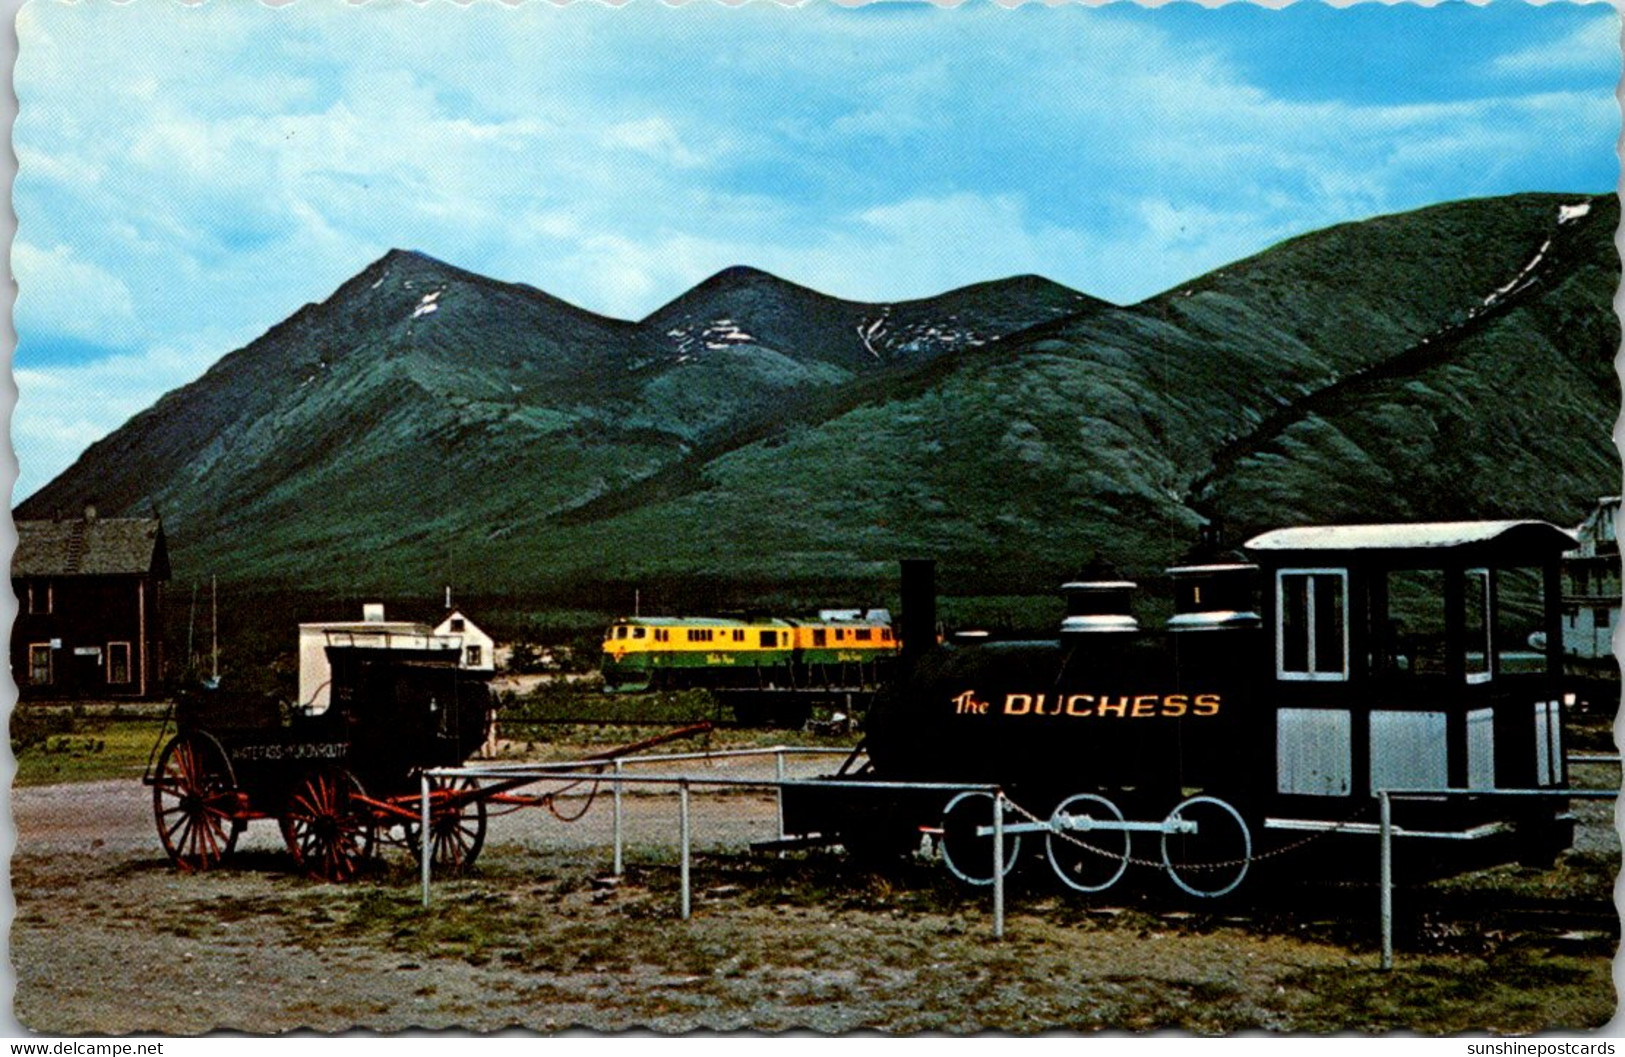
<point>425,425</point>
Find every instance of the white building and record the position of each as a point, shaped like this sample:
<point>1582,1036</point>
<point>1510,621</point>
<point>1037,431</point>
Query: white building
<point>474,647</point>
<point>479,649</point>
<point>1591,585</point>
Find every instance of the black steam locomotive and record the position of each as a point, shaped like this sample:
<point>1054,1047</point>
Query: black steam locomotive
<point>1283,695</point>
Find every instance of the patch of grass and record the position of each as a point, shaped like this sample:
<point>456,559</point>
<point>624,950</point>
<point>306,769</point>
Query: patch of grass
<point>80,749</point>
<point>1519,991</point>
<point>810,941</point>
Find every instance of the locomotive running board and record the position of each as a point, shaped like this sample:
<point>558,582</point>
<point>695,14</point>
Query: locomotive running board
<point>1307,825</point>
<point>813,840</point>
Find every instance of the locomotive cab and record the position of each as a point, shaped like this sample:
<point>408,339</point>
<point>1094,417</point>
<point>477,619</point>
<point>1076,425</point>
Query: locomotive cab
<point>1401,661</point>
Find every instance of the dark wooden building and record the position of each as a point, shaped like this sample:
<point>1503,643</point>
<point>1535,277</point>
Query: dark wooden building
<point>89,607</point>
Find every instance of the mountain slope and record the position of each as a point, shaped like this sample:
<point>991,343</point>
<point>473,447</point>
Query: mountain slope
<point>1110,436</point>
<point>426,425</point>
<point>422,410</point>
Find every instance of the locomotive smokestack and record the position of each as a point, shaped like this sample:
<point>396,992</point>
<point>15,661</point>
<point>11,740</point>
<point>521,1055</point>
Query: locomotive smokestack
<point>919,623</point>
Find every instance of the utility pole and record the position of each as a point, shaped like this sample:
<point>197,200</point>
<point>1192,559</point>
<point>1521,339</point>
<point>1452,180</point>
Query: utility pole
<point>214,629</point>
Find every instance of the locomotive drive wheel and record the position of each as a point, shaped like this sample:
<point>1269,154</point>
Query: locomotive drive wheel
<point>1213,861</point>
<point>969,856</point>
<point>1087,860</point>
<point>194,801</point>
<point>329,832</point>
<point>456,829</point>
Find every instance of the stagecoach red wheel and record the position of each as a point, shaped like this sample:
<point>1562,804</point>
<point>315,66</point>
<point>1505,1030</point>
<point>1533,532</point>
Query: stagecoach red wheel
<point>456,826</point>
<point>195,802</point>
<point>327,828</point>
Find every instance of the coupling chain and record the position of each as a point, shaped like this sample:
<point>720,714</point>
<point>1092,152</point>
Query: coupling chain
<point>1222,865</point>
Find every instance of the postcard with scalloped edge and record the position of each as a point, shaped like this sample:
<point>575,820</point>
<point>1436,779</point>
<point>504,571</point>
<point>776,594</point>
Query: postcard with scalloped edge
<point>837,518</point>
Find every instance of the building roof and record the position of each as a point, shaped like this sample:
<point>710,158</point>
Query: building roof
<point>1435,535</point>
<point>92,546</point>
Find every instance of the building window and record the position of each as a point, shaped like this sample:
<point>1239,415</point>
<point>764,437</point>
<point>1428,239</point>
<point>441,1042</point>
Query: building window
<point>39,663</point>
<point>457,625</point>
<point>1311,624</point>
<point>1476,623</point>
<point>1604,617</point>
<point>40,597</point>
<point>118,662</point>
<point>472,656</point>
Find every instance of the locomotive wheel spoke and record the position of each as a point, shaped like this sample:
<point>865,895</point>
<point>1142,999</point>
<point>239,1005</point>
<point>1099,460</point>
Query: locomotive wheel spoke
<point>968,856</point>
<point>327,828</point>
<point>1213,861</point>
<point>1087,860</point>
<point>194,796</point>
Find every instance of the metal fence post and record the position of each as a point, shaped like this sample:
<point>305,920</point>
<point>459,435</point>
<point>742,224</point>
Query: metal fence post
<point>423,835</point>
<point>998,864</point>
<point>1387,879</point>
<point>778,773</point>
<point>618,862</point>
<point>682,826</point>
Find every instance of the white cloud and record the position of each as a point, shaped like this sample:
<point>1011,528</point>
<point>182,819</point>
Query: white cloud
<point>59,293</point>
<point>655,137</point>
<point>62,409</point>
<point>1591,46</point>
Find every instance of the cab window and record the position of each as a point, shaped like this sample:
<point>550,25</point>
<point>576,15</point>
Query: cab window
<point>1311,629</point>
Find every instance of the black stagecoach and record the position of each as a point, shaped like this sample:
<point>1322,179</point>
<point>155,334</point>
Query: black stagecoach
<point>339,779</point>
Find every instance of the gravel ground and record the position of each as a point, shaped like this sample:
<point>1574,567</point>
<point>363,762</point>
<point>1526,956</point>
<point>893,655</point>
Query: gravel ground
<point>108,939</point>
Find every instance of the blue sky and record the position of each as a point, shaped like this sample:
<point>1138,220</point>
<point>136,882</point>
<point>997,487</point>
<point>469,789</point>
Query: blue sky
<point>189,176</point>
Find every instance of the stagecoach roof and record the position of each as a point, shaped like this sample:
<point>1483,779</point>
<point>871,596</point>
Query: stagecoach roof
<point>1527,536</point>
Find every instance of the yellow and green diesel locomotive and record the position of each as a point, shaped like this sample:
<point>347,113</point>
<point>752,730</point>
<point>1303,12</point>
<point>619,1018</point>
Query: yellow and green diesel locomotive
<point>846,648</point>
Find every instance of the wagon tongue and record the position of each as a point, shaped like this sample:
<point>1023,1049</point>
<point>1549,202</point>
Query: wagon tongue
<point>659,739</point>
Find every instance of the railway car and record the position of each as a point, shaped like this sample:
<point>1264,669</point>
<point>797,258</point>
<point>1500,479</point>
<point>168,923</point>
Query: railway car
<point>1260,722</point>
<point>844,649</point>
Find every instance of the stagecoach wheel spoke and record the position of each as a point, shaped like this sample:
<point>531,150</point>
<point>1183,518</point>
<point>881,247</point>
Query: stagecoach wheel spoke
<point>1213,861</point>
<point>1085,859</point>
<point>456,825</point>
<point>969,856</point>
<point>194,798</point>
<point>329,832</point>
